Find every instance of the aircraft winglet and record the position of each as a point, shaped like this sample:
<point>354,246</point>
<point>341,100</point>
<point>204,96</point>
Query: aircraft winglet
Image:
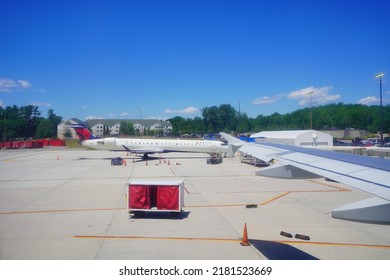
<point>233,143</point>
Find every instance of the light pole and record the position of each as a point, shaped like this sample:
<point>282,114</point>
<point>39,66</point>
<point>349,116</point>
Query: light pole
<point>380,75</point>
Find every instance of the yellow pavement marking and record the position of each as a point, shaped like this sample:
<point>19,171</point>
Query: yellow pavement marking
<point>114,209</point>
<point>341,189</point>
<point>274,198</point>
<point>127,237</point>
<point>241,204</point>
<point>187,206</point>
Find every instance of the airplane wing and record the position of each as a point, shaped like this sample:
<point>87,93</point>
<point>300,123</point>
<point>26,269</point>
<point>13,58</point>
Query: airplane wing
<point>368,174</point>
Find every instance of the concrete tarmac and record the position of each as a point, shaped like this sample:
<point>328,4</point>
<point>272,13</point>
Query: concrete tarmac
<point>61,203</point>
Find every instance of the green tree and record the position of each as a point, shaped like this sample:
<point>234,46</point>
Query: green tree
<point>106,130</point>
<point>54,119</point>
<point>45,129</point>
<point>25,122</point>
<point>54,122</point>
<point>29,118</point>
<point>197,125</point>
<point>179,125</point>
<point>210,118</point>
<point>226,118</point>
<point>222,118</point>
<point>126,128</point>
<point>245,124</point>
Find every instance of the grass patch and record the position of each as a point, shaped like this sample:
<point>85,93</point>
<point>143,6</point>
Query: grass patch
<point>73,143</point>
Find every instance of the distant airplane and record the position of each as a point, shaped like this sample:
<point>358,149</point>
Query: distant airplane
<point>148,146</point>
<point>369,174</point>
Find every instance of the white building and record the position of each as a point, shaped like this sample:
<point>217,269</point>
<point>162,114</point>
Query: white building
<point>101,127</point>
<point>64,132</point>
<point>303,138</point>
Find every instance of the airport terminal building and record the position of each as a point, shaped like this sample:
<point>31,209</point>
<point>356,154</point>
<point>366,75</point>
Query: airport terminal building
<point>106,127</point>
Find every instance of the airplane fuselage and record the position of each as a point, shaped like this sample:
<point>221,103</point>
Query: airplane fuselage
<point>150,146</point>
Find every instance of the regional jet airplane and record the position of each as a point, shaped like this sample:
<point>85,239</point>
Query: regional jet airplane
<point>148,146</point>
<point>368,174</point>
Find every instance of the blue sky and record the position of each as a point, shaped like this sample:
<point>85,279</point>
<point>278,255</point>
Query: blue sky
<point>163,58</point>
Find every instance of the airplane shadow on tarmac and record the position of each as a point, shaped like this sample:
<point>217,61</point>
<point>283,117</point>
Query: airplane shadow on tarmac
<point>279,251</point>
<point>140,159</point>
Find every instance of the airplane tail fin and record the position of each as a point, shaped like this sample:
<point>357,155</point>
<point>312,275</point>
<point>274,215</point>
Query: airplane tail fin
<point>233,143</point>
<point>83,132</point>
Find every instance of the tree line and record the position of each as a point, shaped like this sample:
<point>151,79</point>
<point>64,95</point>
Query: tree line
<point>334,116</point>
<point>25,122</point>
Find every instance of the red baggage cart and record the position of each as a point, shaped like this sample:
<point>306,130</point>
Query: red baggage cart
<point>147,195</point>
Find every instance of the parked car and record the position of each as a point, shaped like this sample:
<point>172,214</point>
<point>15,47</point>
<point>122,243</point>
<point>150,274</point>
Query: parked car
<point>117,161</point>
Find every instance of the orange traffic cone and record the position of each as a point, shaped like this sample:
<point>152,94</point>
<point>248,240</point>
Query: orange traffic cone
<point>245,241</point>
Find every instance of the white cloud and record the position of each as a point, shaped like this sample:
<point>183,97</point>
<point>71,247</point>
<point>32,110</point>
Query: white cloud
<point>40,104</point>
<point>191,110</point>
<point>24,84</point>
<point>2,104</point>
<point>187,111</point>
<point>318,96</point>
<point>124,114</point>
<point>84,107</point>
<point>265,100</point>
<point>368,100</point>
<point>8,85</point>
